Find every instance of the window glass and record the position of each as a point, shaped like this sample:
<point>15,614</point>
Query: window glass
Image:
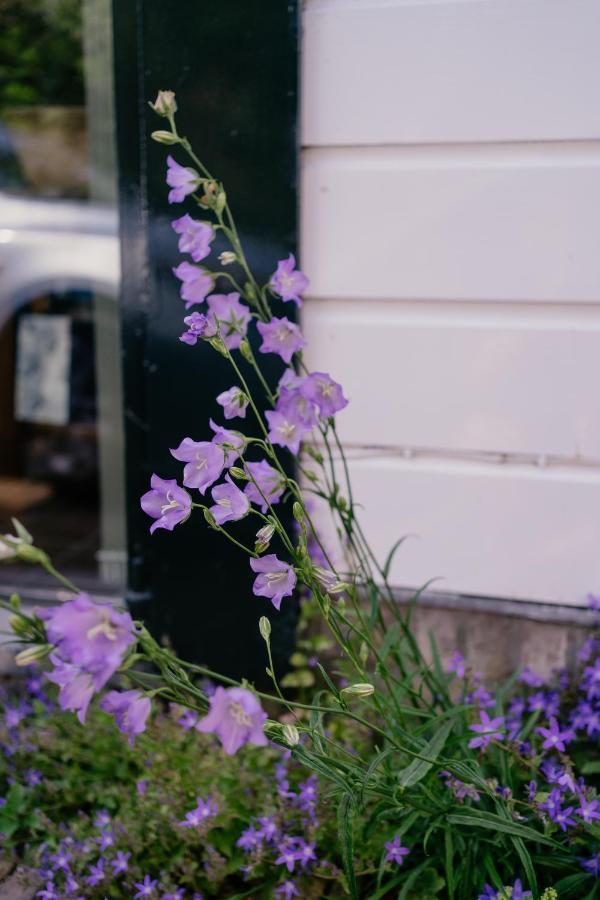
<point>60,391</point>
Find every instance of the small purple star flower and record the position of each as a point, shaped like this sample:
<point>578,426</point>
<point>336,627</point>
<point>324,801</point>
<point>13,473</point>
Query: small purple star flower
<point>234,403</point>
<point>276,579</point>
<point>269,484</point>
<point>204,810</point>
<point>120,863</point>
<point>487,729</point>
<point>130,709</point>
<point>282,337</point>
<point>196,283</point>
<point>166,502</point>
<point>233,318</point>
<point>268,829</point>
<point>236,717</point>
<point>231,504</point>
<point>588,810</point>
<point>592,865</point>
<point>287,856</point>
<point>249,840</point>
<point>288,281</point>
<point>145,888</point>
<point>287,890</point>
<point>395,852</point>
<point>181,180</point>
<point>457,664</point>
<point>194,237</point>
<point>205,462</point>
<point>97,873</point>
<point>555,739</point>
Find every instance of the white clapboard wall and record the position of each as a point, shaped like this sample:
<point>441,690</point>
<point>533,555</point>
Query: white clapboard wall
<point>451,230</point>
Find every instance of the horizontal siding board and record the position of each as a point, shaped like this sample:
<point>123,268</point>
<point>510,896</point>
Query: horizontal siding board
<point>513,532</point>
<point>488,70</point>
<point>506,389</point>
<point>388,224</point>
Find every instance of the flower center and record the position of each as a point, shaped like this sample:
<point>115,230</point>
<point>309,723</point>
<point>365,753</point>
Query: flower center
<point>283,333</point>
<point>239,714</point>
<point>287,429</point>
<point>104,627</point>
<point>223,501</point>
<point>275,577</point>
<point>170,504</point>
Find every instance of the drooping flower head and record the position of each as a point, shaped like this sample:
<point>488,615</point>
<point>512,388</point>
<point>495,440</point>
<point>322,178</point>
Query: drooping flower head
<point>269,485</point>
<point>199,326</point>
<point>236,717</point>
<point>233,317</point>
<point>205,462</point>
<point>181,180</point>
<point>230,504</point>
<point>234,403</point>
<point>276,579</point>
<point>130,709</point>
<point>282,337</point>
<point>166,502</point>
<point>194,237</point>
<point>92,636</point>
<point>288,281</point>
<point>196,283</point>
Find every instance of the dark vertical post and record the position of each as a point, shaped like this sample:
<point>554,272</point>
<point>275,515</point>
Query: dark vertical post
<point>233,66</point>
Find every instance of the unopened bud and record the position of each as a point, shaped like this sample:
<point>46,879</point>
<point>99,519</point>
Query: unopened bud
<point>312,476</point>
<point>221,201</point>
<point>340,587</point>
<point>19,625</point>
<point>217,344</point>
<point>8,547</point>
<point>291,735</point>
<point>264,626</point>
<point>164,104</point>
<point>210,518</point>
<point>238,473</point>
<point>263,538</point>
<point>245,350</point>
<point>165,137</point>
<point>250,291</point>
<point>359,690</point>
<point>298,512</point>
<point>363,652</point>
<point>32,654</point>
<point>30,554</point>
<point>227,257</point>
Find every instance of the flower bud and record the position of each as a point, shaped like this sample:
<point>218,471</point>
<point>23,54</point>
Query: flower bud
<point>32,654</point>
<point>264,626</point>
<point>221,201</point>
<point>217,344</point>
<point>298,512</point>
<point>238,473</point>
<point>19,625</point>
<point>263,538</point>
<point>30,554</point>
<point>165,104</point>
<point>291,735</point>
<point>363,652</point>
<point>210,519</point>
<point>165,137</point>
<point>227,257</point>
<point>359,690</point>
<point>245,350</point>
<point>250,292</point>
<point>8,547</point>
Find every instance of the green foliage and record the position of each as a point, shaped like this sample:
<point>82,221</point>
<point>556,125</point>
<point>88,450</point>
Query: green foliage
<point>40,53</point>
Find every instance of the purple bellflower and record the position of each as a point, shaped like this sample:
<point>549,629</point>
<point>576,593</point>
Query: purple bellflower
<point>232,442</point>
<point>327,394</point>
<point>181,180</point>
<point>130,709</point>
<point>288,281</point>
<point>230,504</point>
<point>205,462</point>
<point>233,318</point>
<point>234,403</point>
<point>194,237</point>
<point>236,717</point>
<point>199,326</point>
<point>282,337</point>
<point>197,283</point>
<point>269,484</point>
<point>166,502</point>
<point>276,579</point>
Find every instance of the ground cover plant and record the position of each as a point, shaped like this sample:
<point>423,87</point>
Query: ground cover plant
<point>469,792</point>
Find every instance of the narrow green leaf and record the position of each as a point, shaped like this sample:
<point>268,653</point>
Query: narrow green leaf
<point>418,768</point>
<point>496,823</point>
<point>448,862</point>
<point>392,637</point>
<point>347,842</point>
<point>374,765</point>
<point>527,865</point>
<point>390,556</point>
<point>328,681</point>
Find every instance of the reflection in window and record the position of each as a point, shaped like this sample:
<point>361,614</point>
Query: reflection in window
<point>61,445</point>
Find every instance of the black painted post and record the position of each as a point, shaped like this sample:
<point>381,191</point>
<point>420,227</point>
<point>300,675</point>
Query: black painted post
<point>233,66</point>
